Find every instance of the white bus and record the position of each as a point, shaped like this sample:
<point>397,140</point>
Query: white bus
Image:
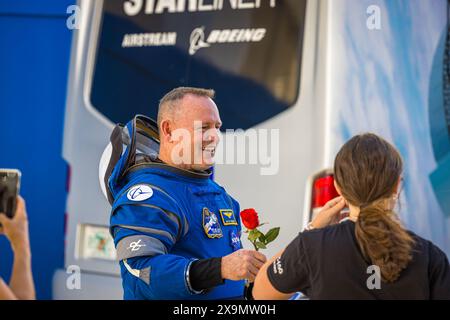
<point>314,72</point>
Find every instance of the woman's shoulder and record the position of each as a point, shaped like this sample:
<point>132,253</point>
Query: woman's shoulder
<point>341,229</point>
<point>337,227</point>
<point>425,246</point>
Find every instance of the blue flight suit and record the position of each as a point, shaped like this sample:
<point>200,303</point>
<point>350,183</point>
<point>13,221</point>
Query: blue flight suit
<point>163,220</point>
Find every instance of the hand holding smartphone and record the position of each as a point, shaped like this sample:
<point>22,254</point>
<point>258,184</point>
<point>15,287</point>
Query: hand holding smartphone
<point>9,190</point>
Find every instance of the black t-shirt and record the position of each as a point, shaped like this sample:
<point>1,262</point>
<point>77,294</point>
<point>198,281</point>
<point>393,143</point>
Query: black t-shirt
<point>328,264</point>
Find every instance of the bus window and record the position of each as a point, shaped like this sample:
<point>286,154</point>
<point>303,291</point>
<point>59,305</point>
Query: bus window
<point>249,52</point>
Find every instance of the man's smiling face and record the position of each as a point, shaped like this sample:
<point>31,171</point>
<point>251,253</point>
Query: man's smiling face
<point>200,117</point>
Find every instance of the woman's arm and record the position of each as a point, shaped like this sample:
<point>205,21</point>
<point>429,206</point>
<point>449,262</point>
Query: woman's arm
<point>21,278</point>
<point>5,292</point>
<point>16,230</point>
<point>294,275</point>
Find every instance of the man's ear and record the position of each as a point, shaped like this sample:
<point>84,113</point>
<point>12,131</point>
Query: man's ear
<point>165,132</point>
<point>337,187</point>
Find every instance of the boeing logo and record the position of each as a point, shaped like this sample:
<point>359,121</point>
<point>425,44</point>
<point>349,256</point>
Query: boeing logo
<point>139,193</point>
<point>135,246</point>
<point>197,39</point>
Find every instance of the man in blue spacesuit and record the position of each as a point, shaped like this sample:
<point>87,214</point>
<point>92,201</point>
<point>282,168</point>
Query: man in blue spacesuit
<point>176,231</point>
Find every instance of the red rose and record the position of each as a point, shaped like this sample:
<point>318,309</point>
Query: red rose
<point>250,218</point>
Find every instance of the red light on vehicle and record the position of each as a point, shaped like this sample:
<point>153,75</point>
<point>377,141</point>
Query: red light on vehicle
<point>323,191</point>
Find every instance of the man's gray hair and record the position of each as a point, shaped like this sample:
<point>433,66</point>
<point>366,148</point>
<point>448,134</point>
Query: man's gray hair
<point>166,104</point>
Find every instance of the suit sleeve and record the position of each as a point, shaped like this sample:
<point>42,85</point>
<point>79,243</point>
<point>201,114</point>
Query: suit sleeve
<point>144,233</point>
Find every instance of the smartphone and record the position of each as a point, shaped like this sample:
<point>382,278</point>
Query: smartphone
<point>9,190</point>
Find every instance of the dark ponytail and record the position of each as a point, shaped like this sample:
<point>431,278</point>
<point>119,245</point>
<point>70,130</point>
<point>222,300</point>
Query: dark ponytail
<point>367,170</point>
<point>383,241</point>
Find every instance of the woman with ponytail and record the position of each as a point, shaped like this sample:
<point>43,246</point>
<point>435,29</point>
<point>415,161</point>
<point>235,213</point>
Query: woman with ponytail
<point>368,255</point>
